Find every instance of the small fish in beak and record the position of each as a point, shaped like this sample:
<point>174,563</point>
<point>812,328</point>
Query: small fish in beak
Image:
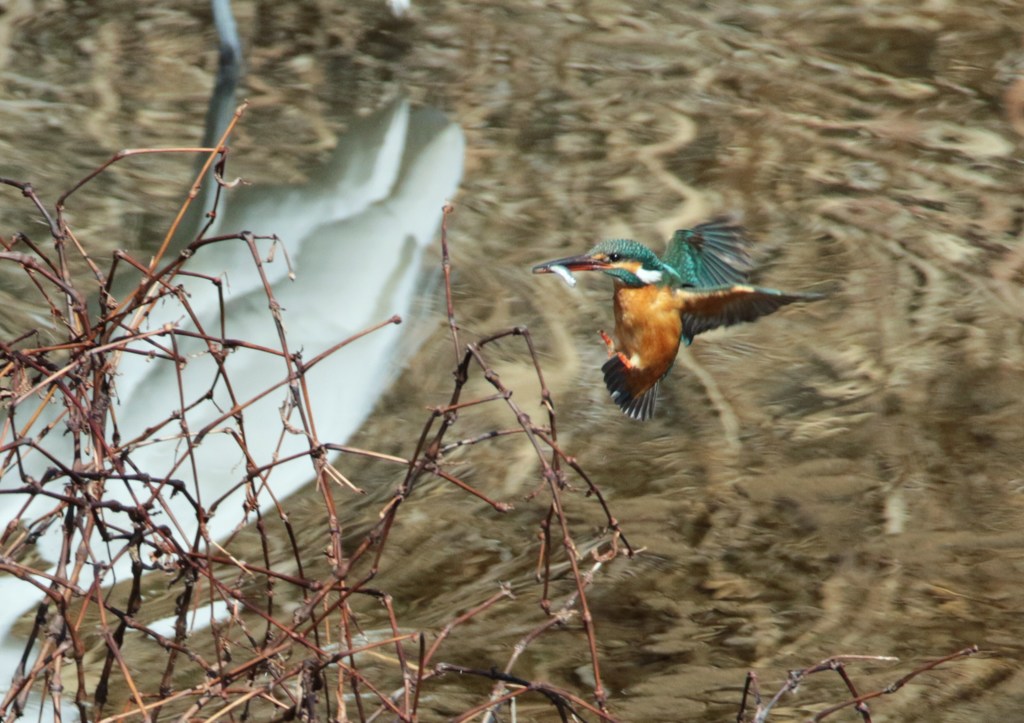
<point>565,267</point>
<point>563,272</point>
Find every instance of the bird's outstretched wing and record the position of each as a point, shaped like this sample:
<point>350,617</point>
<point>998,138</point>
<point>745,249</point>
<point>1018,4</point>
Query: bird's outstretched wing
<point>630,389</point>
<point>711,254</point>
<point>706,309</point>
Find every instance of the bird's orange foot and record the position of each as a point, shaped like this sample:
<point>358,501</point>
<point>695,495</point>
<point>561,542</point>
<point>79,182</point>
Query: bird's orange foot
<point>608,342</point>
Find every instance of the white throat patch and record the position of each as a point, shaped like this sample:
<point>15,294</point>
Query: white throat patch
<point>648,276</point>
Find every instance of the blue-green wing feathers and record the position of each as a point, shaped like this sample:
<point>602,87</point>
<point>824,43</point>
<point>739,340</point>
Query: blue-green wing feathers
<point>711,254</point>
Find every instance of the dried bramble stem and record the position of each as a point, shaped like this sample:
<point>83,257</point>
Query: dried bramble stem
<point>837,663</point>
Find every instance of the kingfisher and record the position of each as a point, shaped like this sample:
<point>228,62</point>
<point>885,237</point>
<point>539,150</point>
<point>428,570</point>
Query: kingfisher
<point>701,283</point>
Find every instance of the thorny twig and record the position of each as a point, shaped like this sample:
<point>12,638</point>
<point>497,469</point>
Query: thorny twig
<point>837,663</point>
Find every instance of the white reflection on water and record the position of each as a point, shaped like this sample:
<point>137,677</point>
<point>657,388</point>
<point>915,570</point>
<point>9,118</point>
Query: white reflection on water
<point>354,237</point>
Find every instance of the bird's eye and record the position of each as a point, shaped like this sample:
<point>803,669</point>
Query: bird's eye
<point>613,257</point>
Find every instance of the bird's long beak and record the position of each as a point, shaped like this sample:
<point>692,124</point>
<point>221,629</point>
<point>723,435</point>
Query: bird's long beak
<point>583,262</point>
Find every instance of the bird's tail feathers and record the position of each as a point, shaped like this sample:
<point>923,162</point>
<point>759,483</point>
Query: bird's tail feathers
<point>636,404</point>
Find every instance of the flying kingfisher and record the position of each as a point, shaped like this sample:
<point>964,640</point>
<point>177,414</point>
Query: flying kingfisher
<point>700,284</point>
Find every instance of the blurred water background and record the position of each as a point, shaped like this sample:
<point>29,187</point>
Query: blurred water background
<point>839,478</point>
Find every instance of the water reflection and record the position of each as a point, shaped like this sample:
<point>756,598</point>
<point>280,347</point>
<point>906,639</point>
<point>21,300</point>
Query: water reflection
<point>347,255</point>
<point>892,173</point>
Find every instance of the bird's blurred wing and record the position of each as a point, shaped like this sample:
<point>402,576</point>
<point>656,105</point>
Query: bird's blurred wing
<point>706,309</point>
<point>711,254</point>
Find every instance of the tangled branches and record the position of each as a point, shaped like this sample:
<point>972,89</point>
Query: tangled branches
<point>283,637</point>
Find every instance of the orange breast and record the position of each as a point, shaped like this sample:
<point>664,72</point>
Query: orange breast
<point>647,330</point>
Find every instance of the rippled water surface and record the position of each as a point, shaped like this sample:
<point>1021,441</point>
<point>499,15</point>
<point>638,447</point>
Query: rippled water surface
<point>843,477</point>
